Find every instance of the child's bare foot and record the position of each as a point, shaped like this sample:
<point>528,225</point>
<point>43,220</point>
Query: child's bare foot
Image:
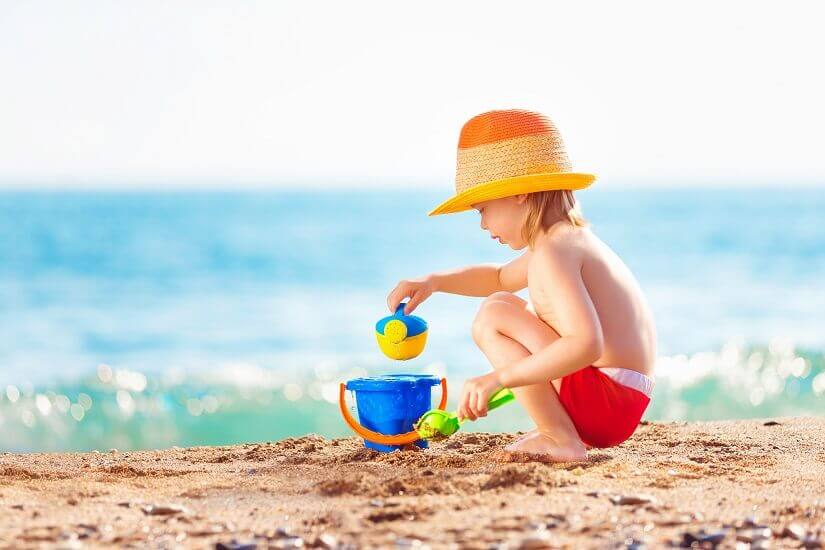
<point>537,443</point>
<point>533,432</point>
<point>526,435</point>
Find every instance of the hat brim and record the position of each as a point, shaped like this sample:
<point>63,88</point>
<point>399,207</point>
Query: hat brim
<point>516,185</point>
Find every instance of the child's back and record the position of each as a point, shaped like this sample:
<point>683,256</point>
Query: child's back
<point>626,319</point>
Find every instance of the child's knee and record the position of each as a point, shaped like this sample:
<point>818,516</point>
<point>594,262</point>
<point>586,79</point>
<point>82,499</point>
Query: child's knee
<point>488,319</point>
<point>504,296</point>
<point>481,328</point>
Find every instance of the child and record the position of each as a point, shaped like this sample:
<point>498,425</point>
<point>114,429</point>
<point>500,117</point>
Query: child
<point>579,356</point>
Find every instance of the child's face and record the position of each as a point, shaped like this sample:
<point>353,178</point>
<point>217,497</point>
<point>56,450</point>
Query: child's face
<point>504,218</point>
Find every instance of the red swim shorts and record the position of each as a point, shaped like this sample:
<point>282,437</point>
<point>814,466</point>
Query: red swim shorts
<point>604,412</point>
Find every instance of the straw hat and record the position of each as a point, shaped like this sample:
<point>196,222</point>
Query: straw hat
<point>509,152</point>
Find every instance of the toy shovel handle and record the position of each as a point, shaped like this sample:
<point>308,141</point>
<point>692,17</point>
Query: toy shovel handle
<point>501,397</point>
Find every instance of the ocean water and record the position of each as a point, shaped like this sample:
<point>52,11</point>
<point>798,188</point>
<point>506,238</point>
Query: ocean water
<point>152,319</point>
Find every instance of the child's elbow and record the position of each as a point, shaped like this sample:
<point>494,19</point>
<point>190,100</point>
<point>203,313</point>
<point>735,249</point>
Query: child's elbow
<point>593,349</point>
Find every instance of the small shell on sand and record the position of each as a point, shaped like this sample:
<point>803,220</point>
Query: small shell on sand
<point>164,509</point>
<point>632,499</point>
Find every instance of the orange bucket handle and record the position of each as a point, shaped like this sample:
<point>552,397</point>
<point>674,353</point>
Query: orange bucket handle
<point>382,439</point>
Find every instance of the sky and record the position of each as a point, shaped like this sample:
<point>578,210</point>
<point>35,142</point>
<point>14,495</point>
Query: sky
<point>168,94</point>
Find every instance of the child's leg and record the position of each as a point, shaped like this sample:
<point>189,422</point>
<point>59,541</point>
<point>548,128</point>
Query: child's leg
<point>506,331</point>
<point>557,382</point>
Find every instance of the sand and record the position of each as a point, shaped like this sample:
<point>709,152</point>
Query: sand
<point>739,484</point>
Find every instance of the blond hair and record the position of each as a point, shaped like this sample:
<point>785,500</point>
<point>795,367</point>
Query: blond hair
<point>544,208</point>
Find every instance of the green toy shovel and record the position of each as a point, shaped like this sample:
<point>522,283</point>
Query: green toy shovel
<point>438,424</point>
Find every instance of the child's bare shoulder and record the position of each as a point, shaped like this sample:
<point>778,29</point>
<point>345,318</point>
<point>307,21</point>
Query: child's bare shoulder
<point>555,272</point>
<point>577,248</point>
<point>562,243</point>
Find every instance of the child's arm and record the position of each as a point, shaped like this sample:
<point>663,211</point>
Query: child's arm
<point>474,280</point>
<point>561,291</point>
<point>484,279</point>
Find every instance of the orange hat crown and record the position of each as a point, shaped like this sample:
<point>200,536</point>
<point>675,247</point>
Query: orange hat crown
<point>507,152</point>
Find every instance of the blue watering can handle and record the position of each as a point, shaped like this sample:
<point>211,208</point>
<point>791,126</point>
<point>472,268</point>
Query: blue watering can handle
<point>400,309</point>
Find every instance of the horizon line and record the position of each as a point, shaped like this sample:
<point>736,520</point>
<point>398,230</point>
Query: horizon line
<point>321,184</point>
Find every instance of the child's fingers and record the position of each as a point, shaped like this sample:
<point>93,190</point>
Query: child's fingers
<point>478,405</point>
<point>410,306</point>
<point>472,404</point>
<point>471,414</point>
<point>464,408</point>
<point>395,298</point>
<point>396,295</point>
<point>481,405</point>
<point>415,299</point>
<point>391,298</point>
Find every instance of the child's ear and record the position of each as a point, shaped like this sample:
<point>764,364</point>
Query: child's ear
<point>521,198</point>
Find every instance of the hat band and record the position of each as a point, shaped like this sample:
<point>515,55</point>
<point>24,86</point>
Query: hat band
<point>507,158</point>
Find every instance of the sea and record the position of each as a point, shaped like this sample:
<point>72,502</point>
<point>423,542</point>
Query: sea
<point>149,319</point>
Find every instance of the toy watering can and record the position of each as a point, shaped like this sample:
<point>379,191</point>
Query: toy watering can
<point>401,336</point>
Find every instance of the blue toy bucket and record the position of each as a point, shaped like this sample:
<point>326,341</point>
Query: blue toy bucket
<point>392,403</point>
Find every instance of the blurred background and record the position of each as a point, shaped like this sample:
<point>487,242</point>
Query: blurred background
<point>203,206</point>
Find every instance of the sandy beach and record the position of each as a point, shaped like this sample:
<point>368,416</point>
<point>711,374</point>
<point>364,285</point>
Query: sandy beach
<point>735,484</point>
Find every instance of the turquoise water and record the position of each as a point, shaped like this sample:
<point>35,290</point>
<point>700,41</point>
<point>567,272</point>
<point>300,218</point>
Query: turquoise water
<point>148,319</point>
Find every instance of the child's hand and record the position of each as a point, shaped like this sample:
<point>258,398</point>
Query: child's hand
<point>417,290</point>
<point>475,395</point>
